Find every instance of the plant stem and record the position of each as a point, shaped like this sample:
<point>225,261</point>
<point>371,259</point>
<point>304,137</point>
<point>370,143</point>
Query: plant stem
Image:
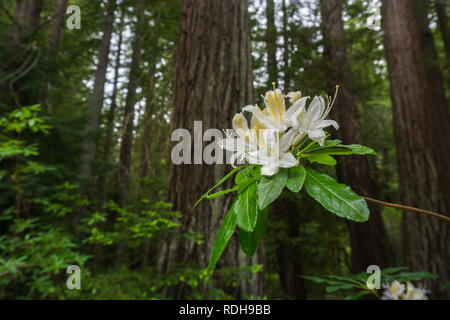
<point>400,206</point>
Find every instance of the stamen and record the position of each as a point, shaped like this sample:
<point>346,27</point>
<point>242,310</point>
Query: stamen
<point>330,105</point>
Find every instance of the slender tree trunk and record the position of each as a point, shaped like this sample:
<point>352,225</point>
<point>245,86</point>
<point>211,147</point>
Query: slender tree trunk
<point>144,166</point>
<point>288,252</point>
<point>422,133</point>
<point>213,79</point>
<point>108,146</point>
<point>286,40</point>
<point>441,6</point>
<point>271,41</point>
<point>128,119</point>
<point>126,145</point>
<point>369,241</point>
<point>52,47</point>
<point>96,103</point>
<point>27,14</point>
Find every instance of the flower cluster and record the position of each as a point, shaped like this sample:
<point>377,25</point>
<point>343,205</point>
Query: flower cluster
<point>275,130</point>
<point>398,291</point>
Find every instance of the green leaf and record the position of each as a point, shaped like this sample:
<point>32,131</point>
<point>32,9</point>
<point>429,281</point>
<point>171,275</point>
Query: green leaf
<point>414,275</point>
<point>335,197</point>
<point>243,175</point>
<point>246,209</point>
<point>249,240</point>
<point>322,158</point>
<point>330,289</point>
<point>222,192</point>
<point>357,295</point>
<point>219,183</point>
<point>296,178</point>
<point>223,237</point>
<point>359,149</point>
<point>270,187</point>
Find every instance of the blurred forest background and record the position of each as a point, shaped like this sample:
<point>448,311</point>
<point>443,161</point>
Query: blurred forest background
<point>86,116</point>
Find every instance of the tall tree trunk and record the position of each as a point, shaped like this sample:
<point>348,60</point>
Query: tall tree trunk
<point>441,6</point>
<point>289,252</point>
<point>422,133</point>
<point>126,144</point>
<point>52,47</point>
<point>369,241</point>
<point>213,78</point>
<point>27,14</point>
<point>429,52</point>
<point>271,41</point>
<point>286,40</point>
<point>144,166</point>
<point>128,119</point>
<point>96,103</point>
<point>108,146</point>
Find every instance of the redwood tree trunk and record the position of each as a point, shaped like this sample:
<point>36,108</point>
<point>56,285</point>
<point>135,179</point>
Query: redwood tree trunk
<point>271,40</point>
<point>108,145</point>
<point>369,241</point>
<point>127,137</point>
<point>27,15</point>
<point>96,102</point>
<point>52,47</point>
<point>422,133</point>
<point>288,251</point>
<point>213,79</point>
<point>286,39</point>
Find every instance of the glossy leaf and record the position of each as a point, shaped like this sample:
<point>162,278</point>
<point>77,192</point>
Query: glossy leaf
<point>335,197</point>
<point>246,208</point>
<point>270,187</point>
<point>296,178</point>
<point>223,238</point>
<point>250,240</point>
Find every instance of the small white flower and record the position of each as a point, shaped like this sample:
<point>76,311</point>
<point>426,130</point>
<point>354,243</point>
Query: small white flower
<point>413,293</point>
<point>275,116</point>
<point>312,121</point>
<point>393,291</point>
<point>397,291</point>
<point>260,145</point>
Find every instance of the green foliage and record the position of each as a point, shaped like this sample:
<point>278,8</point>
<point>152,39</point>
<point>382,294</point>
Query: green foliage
<point>269,188</point>
<point>223,237</point>
<point>359,285</point>
<point>336,197</point>
<point>250,240</point>
<point>296,178</point>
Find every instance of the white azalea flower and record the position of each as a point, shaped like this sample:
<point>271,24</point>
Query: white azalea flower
<point>413,293</point>
<point>397,291</point>
<point>312,121</point>
<point>260,145</point>
<point>275,116</point>
<point>393,291</point>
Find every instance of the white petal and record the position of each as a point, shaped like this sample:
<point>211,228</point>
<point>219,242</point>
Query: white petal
<point>298,138</point>
<point>266,120</point>
<point>296,108</point>
<point>240,124</point>
<point>287,160</point>
<point>317,135</point>
<point>327,123</point>
<point>269,170</point>
<point>315,109</point>
<point>287,139</point>
<point>294,96</point>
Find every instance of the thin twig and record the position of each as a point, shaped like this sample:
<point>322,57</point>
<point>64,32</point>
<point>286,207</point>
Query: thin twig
<point>400,206</point>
